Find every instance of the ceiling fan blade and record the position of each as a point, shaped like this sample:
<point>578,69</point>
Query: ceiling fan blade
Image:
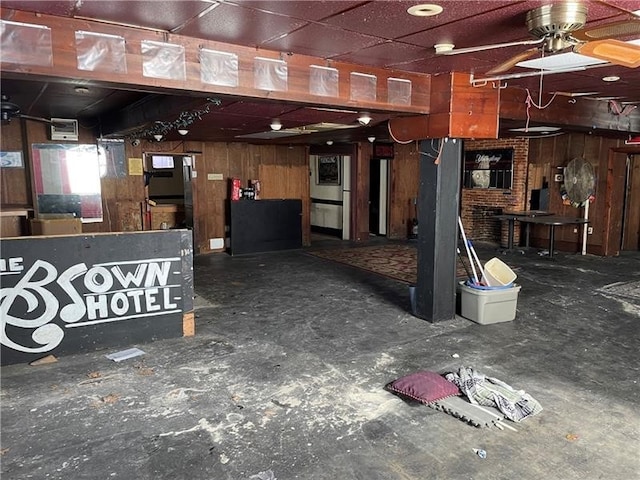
<point>612,51</point>
<point>510,63</point>
<point>622,28</point>
<point>480,48</point>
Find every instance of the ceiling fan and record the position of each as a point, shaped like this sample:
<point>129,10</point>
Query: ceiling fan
<point>10,110</point>
<point>562,26</point>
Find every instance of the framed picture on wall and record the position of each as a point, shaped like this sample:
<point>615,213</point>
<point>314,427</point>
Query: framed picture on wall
<point>328,172</point>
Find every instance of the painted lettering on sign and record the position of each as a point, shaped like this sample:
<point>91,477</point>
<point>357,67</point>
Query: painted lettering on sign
<point>81,296</point>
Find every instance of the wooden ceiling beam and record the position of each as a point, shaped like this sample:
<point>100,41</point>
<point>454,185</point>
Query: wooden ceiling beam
<point>298,66</point>
<point>574,112</point>
<point>458,110</point>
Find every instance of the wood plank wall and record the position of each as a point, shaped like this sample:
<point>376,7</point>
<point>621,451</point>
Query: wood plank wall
<point>284,173</point>
<point>14,181</point>
<point>548,156</point>
<point>282,170</point>
<point>403,189</point>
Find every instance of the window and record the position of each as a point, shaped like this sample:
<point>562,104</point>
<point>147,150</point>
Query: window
<point>488,168</point>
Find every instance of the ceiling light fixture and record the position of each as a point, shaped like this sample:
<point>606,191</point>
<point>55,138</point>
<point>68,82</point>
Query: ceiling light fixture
<point>275,124</point>
<point>329,142</point>
<point>611,78</point>
<point>364,118</point>
<point>183,131</point>
<point>425,10</point>
<point>81,90</point>
<point>158,137</point>
<point>443,47</point>
<point>371,139</point>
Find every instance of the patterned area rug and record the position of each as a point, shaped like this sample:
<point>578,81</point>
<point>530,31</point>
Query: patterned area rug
<point>394,261</point>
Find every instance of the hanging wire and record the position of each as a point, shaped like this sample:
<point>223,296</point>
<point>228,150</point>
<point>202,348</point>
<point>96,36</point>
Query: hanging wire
<point>530,102</point>
<point>437,150</point>
<point>394,138</point>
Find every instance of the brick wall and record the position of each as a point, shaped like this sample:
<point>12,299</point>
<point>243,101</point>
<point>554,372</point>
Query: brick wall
<point>478,206</point>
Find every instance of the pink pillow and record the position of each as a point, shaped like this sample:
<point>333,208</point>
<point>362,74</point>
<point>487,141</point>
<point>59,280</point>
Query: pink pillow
<point>424,386</point>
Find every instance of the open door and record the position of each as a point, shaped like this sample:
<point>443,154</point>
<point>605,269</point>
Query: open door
<point>169,191</point>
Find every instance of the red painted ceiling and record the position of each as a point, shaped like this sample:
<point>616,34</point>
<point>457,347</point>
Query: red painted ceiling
<point>376,33</point>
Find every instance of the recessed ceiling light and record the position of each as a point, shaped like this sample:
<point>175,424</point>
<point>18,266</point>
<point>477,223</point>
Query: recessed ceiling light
<point>424,10</point>
<point>81,90</point>
<point>611,78</point>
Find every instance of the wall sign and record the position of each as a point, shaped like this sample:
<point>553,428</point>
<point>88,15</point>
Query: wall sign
<point>328,170</point>
<point>488,168</point>
<point>73,293</point>
<point>383,150</point>
<point>11,160</point>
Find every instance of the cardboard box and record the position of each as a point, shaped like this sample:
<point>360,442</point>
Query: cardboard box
<point>488,306</point>
<point>56,226</point>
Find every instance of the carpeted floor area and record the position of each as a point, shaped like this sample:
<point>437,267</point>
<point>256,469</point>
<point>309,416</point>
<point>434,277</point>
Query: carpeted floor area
<point>397,261</point>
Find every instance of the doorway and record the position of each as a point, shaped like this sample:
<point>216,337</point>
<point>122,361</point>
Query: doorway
<point>330,192</point>
<point>378,196</point>
<point>630,240</point>
<point>169,191</point>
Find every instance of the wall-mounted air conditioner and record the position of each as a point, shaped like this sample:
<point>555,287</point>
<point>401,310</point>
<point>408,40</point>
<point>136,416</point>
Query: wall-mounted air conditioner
<point>64,129</point>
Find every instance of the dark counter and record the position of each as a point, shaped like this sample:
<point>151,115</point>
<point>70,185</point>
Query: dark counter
<point>265,225</point>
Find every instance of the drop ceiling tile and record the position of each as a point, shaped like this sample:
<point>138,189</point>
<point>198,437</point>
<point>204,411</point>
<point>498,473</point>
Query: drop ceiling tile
<point>458,63</point>
<point>241,26</point>
<point>484,27</point>
<point>255,109</point>
<point>384,54</point>
<point>322,41</point>
<point>304,10</point>
<point>63,8</point>
<point>391,20</point>
<point>163,15</point>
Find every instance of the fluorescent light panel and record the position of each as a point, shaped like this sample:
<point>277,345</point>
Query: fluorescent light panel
<point>564,61</point>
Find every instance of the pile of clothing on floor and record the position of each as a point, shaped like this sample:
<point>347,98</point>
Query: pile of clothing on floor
<point>516,405</point>
<point>488,400</point>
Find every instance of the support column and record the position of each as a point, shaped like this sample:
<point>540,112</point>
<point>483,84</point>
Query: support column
<point>438,202</point>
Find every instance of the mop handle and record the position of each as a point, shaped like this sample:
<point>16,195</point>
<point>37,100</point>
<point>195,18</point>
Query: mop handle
<point>466,246</point>
<point>475,255</point>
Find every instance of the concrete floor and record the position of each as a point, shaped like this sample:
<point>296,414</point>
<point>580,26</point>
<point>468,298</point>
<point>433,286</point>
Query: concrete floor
<point>284,380</point>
